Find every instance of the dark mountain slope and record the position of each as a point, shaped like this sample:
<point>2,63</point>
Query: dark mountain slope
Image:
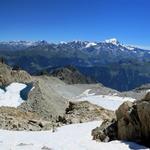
<point>71,75</point>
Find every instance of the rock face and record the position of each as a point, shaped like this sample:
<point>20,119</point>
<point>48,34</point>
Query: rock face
<point>133,123</point>
<point>8,75</point>
<point>79,112</point>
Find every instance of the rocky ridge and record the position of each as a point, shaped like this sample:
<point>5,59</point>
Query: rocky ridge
<point>79,112</point>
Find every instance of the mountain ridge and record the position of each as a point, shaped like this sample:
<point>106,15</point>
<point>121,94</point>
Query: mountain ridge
<point>86,43</point>
<point>109,62</point>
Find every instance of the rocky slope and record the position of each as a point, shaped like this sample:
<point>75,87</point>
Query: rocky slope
<point>14,119</point>
<point>132,123</point>
<point>71,75</point>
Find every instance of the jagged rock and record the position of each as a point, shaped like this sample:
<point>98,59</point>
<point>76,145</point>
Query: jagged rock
<point>133,123</point>
<point>106,132</point>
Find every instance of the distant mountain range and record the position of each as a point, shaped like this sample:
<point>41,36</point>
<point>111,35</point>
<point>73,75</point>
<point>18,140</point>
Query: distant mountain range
<point>113,64</point>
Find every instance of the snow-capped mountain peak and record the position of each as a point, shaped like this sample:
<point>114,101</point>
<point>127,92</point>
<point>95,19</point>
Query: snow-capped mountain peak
<point>113,41</point>
<point>62,42</point>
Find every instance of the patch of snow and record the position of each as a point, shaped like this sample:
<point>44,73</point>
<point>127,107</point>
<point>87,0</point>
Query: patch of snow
<point>32,88</point>
<point>111,102</point>
<point>69,137</point>
<point>122,49</point>
<point>147,91</point>
<point>11,95</point>
<point>86,94</point>
<point>115,94</point>
<point>90,44</point>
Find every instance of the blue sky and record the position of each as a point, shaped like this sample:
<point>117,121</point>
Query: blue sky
<point>66,20</point>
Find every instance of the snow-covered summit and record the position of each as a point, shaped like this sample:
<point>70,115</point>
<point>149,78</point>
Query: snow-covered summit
<point>112,41</point>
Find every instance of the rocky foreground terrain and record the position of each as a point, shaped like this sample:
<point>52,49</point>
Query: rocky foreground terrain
<point>50,103</point>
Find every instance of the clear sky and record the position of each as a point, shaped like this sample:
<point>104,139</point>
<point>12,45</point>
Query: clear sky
<point>66,20</point>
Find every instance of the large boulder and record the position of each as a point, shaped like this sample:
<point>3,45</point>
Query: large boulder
<point>133,123</point>
<point>128,122</point>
